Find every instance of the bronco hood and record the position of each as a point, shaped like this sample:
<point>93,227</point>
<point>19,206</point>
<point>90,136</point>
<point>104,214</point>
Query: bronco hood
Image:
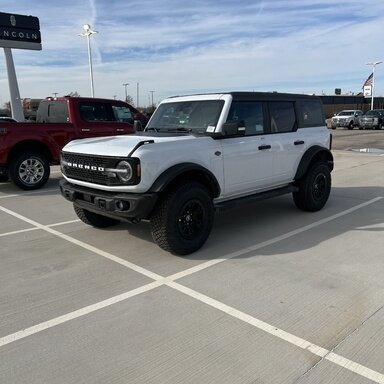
<point>118,145</point>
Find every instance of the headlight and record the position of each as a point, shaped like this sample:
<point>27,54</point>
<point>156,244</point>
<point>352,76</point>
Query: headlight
<point>124,171</point>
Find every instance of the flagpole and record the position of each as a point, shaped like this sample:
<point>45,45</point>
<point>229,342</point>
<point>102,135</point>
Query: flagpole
<point>373,78</point>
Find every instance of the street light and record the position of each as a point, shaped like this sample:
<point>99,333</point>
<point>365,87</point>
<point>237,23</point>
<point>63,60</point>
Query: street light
<point>373,78</point>
<point>88,33</point>
<point>125,86</point>
<point>152,97</point>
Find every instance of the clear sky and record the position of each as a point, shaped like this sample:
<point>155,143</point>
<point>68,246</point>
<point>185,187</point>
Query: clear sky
<point>179,47</point>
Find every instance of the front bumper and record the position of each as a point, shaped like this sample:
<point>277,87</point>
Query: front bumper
<point>340,123</point>
<point>122,206</point>
<point>368,125</point>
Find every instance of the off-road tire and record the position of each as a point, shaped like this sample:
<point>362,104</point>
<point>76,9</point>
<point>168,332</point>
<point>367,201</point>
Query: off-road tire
<point>183,218</point>
<point>29,170</point>
<point>314,188</point>
<point>93,219</point>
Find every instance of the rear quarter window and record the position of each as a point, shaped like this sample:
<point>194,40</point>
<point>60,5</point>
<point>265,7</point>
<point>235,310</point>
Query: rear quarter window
<point>283,117</point>
<point>53,112</point>
<point>310,113</point>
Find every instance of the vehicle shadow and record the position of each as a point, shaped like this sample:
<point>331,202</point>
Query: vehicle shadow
<point>266,227</point>
<point>277,226</point>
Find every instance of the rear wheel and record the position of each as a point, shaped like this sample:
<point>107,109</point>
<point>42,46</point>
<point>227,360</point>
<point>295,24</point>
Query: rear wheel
<point>93,219</point>
<point>314,188</point>
<point>29,170</point>
<point>183,219</point>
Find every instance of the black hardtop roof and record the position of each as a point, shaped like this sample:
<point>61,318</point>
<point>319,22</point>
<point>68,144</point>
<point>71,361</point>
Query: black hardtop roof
<point>269,95</point>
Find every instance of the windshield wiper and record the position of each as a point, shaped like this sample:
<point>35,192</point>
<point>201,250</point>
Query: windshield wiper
<point>180,129</point>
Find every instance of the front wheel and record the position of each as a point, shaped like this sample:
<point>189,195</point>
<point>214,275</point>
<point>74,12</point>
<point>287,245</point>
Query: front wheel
<point>314,188</point>
<point>183,219</point>
<point>91,218</point>
<point>29,170</point>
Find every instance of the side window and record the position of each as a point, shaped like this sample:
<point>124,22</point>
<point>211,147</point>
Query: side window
<point>90,111</point>
<point>122,114</point>
<point>283,118</point>
<point>311,113</point>
<point>56,112</point>
<point>251,113</point>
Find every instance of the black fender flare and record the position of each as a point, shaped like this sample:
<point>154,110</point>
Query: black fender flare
<point>313,154</point>
<point>187,170</point>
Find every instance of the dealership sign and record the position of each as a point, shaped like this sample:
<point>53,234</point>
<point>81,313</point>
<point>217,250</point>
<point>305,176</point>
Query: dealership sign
<point>19,31</point>
<point>367,90</point>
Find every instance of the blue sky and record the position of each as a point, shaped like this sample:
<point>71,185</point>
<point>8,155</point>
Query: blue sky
<point>176,47</point>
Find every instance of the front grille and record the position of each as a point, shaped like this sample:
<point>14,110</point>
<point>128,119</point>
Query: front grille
<point>89,168</point>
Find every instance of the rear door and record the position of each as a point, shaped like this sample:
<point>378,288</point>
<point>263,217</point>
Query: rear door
<point>294,127</point>
<point>106,119</point>
<point>96,119</point>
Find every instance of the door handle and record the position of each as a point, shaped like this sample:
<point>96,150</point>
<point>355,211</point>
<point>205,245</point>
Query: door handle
<point>266,146</point>
<point>120,130</point>
<point>299,142</point>
<point>85,130</point>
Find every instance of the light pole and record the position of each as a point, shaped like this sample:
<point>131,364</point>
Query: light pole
<point>373,78</point>
<point>126,94</point>
<point>137,95</point>
<point>152,97</point>
<point>88,33</point>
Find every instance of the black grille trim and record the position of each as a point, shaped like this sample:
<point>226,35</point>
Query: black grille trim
<point>92,167</point>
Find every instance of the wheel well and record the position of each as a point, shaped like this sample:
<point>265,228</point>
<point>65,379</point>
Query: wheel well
<point>312,156</point>
<point>30,146</point>
<point>179,175</point>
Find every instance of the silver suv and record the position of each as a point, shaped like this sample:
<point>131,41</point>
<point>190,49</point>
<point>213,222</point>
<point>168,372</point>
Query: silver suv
<point>198,154</point>
<point>348,118</point>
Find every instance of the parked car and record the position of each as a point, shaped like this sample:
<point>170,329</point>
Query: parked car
<point>373,119</point>
<point>27,149</point>
<point>348,118</point>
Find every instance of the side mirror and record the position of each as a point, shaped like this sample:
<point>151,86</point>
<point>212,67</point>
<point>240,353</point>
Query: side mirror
<point>234,128</point>
<point>137,125</point>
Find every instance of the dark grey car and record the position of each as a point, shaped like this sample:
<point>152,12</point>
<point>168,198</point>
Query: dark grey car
<point>372,119</point>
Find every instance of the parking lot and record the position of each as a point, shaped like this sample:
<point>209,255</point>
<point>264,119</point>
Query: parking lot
<point>276,295</point>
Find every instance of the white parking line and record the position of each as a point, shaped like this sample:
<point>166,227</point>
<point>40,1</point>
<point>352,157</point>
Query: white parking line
<point>81,244</point>
<point>272,241</point>
<point>76,314</point>
<point>36,228</point>
<point>283,335</point>
<point>170,281</point>
<point>38,192</point>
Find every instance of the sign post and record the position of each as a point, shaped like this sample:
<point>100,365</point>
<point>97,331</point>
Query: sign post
<point>21,32</point>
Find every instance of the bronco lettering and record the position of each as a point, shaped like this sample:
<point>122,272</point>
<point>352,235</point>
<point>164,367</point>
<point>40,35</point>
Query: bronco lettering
<point>82,166</point>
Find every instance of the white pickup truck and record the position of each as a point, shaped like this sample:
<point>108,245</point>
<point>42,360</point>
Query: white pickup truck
<point>200,153</point>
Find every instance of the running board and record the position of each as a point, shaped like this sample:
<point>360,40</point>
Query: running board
<point>224,205</point>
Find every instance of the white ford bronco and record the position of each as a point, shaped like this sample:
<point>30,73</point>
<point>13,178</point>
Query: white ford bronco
<point>200,153</point>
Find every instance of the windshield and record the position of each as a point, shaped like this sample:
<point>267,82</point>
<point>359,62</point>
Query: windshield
<point>346,113</point>
<point>372,113</point>
<point>186,116</point>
